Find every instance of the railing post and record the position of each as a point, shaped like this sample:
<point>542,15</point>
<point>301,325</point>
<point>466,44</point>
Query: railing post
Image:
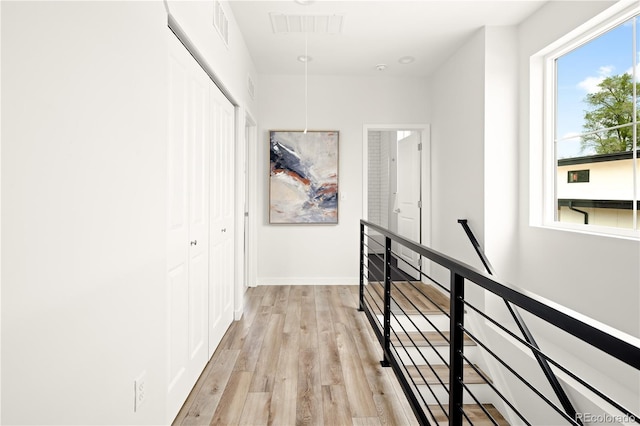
<point>386,347</point>
<point>456,363</point>
<point>361,298</point>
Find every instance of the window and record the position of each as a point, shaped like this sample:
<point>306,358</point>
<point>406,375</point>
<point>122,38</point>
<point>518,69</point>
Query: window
<point>592,134</point>
<point>578,176</point>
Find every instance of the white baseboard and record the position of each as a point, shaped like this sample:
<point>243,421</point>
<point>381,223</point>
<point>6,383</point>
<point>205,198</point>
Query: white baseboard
<point>308,281</point>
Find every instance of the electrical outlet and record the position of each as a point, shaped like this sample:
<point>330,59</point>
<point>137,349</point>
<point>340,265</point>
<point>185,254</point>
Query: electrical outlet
<point>140,391</point>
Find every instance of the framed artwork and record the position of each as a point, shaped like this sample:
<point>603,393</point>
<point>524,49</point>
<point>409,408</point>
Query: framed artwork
<point>303,177</point>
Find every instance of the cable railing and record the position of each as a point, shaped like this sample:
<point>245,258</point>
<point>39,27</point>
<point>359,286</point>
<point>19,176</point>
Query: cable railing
<point>524,330</point>
<point>454,358</point>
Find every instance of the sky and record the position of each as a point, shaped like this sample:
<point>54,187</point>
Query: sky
<point>579,73</point>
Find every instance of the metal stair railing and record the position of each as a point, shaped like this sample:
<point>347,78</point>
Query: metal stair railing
<point>382,300</point>
<point>526,333</point>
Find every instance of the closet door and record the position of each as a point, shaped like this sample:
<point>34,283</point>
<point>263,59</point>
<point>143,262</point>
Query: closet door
<point>188,220</point>
<point>222,257</point>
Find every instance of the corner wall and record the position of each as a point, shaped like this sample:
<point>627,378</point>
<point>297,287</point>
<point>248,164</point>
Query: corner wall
<point>457,149</point>
<point>594,275</point>
<point>326,254</point>
<point>480,105</point>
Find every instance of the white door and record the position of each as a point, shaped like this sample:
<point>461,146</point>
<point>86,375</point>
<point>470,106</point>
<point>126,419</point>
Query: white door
<point>188,223</point>
<point>221,265</point>
<point>408,202</point>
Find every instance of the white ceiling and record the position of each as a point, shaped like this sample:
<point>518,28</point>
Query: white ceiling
<point>373,32</point>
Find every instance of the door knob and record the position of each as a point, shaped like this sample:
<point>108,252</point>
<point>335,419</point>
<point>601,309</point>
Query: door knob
<point>194,242</point>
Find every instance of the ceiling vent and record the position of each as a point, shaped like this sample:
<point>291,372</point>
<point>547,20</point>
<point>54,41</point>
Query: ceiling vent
<point>282,23</point>
<point>221,22</point>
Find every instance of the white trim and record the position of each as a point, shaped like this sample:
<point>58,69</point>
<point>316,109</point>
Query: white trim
<point>0,217</point>
<point>182,36</point>
<point>595,230</point>
<point>608,19</point>
<point>239,196</point>
<point>243,117</point>
<point>426,153</point>
<point>252,164</point>
<point>543,104</point>
<point>309,281</point>
<point>425,176</point>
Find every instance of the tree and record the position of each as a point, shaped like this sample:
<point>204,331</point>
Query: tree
<point>611,106</point>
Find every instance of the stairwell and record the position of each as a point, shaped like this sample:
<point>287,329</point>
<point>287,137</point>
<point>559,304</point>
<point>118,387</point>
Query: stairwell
<point>420,337</point>
<point>429,341</point>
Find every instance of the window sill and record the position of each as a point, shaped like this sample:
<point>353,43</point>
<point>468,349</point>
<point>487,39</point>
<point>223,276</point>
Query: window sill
<point>596,231</point>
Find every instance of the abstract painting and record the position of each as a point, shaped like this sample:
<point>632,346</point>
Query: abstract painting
<point>303,182</point>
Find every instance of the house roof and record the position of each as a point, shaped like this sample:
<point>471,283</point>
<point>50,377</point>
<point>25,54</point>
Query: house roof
<point>598,158</point>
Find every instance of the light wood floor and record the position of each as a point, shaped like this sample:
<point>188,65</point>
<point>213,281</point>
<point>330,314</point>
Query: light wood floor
<point>300,355</point>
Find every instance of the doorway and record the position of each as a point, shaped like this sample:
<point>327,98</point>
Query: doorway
<point>250,178</point>
<point>396,188</point>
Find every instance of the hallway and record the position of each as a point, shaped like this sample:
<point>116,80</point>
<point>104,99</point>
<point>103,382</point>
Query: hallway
<point>299,355</point>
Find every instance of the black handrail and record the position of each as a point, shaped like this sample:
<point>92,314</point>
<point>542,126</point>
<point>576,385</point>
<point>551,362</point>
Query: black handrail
<point>526,333</point>
<point>613,342</point>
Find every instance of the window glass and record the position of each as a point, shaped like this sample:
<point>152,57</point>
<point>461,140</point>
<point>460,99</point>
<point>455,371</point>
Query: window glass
<point>596,111</point>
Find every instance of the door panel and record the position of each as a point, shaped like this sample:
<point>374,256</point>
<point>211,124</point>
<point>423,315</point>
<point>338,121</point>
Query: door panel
<point>221,232</point>
<point>177,312</point>
<point>199,124</point>
<point>198,308</point>
<point>408,199</point>
<point>187,234</point>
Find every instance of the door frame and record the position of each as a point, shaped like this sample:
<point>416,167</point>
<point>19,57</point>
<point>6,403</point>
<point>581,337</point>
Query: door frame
<point>425,173</point>
<point>245,257</point>
<point>251,146</point>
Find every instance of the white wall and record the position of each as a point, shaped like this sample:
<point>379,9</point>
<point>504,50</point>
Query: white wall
<point>595,275</point>
<point>457,148</point>
<point>475,152</point>
<point>501,149</point>
<point>84,107</point>
<point>232,65</point>
<point>83,210</point>
<point>314,254</point>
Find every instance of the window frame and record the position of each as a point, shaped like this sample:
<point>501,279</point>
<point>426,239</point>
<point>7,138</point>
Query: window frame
<point>546,61</point>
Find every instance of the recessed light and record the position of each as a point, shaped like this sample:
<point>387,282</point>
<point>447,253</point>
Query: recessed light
<point>407,60</point>
<point>381,67</point>
<point>305,58</point>
<point>305,2</point>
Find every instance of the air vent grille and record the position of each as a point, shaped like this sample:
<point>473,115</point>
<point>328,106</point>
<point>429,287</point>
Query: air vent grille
<point>282,23</point>
<point>221,22</point>
<point>251,87</point>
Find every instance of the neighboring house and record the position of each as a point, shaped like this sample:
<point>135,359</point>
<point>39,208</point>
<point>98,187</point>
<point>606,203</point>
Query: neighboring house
<point>597,189</point>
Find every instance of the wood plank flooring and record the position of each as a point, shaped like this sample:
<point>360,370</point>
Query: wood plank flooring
<point>300,355</point>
